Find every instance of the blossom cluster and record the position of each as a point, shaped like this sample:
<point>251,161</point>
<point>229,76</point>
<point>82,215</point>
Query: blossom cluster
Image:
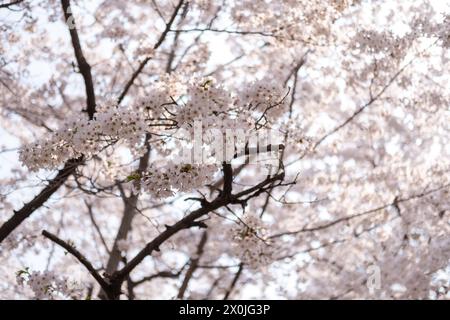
<point>210,104</point>
<point>250,243</point>
<point>80,136</point>
<point>394,46</point>
<point>163,182</point>
<point>198,100</point>
<point>386,42</point>
<point>440,30</point>
<point>86,137</point>
<point>161,98</point>
<point>311,19</point>
<point>265,96</point>
<point>47,285</point>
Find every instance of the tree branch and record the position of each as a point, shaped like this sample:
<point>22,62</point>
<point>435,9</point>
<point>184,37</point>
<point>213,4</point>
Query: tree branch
<point>227,179</point>
<point>187,222</point>
<point>161,274</point>
<point>394,203</point>
<point>7,5</point>
<point>53,185</point>
<point>193,265</point>
<point>147,59</point>
<point>96,226</point>
<point>80,257</point>
<point>71,165</point>
<point>83,65</point>
<point>129,211</point>
<point>233,283</point>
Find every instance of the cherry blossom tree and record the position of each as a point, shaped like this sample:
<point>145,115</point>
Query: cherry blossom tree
<point>193,149</point>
